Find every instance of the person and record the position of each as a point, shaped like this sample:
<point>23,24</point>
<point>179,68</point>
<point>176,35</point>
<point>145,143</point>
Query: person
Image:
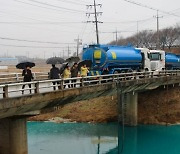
<point>84,71</point>
<point>54,74</point>
<point>27,74</point>
<point>74,74</point>
<point>67,74</point>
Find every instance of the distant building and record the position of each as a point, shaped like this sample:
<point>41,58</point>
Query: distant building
<point>8,61</point>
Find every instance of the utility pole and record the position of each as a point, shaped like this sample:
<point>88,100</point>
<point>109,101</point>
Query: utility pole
<point>137,34</point>
<point>116,32</point>
<point>95,16</point>
<point>158,37</point>
<point>79,42</point>
<point>68,51</point>
<point>63,54</point>
<point>116,36</point>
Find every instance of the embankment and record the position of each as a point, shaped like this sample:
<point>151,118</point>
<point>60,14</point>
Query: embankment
<point>159,106</point>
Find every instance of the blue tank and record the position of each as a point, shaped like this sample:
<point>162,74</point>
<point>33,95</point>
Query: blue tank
<point>172,61</point>
<point>112,58</point>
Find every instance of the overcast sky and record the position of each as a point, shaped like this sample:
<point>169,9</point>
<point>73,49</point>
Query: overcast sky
<point>60,22</point>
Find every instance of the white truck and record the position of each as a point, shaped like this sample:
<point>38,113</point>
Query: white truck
<point>157,59</point>
<point>152,60</point>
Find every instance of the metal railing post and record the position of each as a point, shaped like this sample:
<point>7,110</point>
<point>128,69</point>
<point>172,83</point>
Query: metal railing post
<point>152,74</point>
<point>62,85</point>
<point>82,82</point>
<point>144,73</point>
<point>36,88</point>
<point>113,77</point>
<point>5,91</point>
<point>17,77</point>
<point>100,79</point>
<point>34,75</point>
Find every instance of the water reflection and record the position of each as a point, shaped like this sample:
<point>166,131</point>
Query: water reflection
<point>79,138</point>
<point>45,138</point>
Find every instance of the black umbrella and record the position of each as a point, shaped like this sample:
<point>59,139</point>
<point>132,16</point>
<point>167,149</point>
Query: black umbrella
<point>24,64</point>
<point>55,60</point>
<point>88,63</point>
<point>72,59</point>
<point>62,68</point>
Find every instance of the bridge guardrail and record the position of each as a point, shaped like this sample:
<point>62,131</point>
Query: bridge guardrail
<point>17,77</point>
<point>38,86</point>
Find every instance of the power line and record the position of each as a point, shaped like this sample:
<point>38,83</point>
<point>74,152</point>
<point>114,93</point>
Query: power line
<point>44,7</point>
<point>126,22</point>
<point>20,16</point>
<point>71,2</point>
<point>63,8</point>
<point>149,7</point>
<point>24,46</point>
<point>11,39</point>
<point>29,23</point>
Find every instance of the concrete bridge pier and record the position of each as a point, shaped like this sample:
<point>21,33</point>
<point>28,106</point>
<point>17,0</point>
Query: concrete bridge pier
<point>130,102</point>
<point>13,136</point>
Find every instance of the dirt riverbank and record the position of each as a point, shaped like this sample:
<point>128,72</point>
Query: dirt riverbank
<point>159,106</point>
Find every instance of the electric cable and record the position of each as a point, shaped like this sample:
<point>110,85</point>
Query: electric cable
<point>45,7</point>
<point>22,40</point>
<point>149,7</point>
<point>71,2</point>
<point>63,8</point>
<point>25,46</point>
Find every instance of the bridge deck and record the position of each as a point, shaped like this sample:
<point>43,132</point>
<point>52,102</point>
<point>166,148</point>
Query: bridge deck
<point>12,102</point>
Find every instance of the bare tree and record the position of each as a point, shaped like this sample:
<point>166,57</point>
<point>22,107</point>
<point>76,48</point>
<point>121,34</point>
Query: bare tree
<point>168,38</point>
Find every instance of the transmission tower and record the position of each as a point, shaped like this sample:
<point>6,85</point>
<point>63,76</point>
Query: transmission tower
<point>96,14</point>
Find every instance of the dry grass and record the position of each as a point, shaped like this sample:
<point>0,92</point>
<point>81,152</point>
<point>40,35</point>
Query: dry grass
<point>38,68</point>
<point>154,107</point>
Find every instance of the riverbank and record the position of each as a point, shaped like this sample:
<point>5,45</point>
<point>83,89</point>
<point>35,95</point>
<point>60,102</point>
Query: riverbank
<point>159,106</point>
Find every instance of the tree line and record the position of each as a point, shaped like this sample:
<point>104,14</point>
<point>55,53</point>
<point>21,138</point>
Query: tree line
<point>168,38</point>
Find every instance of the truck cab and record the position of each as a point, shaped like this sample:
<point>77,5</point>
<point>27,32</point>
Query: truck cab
<point>157,60</point>
<point>146,63</point>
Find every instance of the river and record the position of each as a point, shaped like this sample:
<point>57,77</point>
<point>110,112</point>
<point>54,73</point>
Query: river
<point>84,138</point>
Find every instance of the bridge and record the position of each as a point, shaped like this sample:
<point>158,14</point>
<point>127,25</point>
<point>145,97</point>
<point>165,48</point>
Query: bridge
<point>15,107</point>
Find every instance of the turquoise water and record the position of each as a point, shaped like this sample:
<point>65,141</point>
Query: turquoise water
<point>80,138</point>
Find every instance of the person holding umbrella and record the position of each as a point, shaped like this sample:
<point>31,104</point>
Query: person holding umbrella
<point>27,74</point>
<point>74,74</point>
<point>54,74</point>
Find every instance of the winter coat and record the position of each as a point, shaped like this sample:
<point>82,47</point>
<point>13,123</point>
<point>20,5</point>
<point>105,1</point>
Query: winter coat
<point>54,73</point>
<point>84,71</point>
<point>27,75</point>
<point>74,72</point>
<point>67,73</point>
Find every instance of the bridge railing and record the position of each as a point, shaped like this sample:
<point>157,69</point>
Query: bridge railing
<point>16,89</point>
<point>17,77</point>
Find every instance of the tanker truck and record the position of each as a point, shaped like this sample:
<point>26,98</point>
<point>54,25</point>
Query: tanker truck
<point>116,59</point>
<point>121,59</point>
<point>172,61</point>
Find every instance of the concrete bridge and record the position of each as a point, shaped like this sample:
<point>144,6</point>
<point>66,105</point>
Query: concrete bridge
<point>15,107</point>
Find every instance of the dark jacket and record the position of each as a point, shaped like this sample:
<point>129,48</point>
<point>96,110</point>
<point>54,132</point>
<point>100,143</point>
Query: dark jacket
<point>27,75</point>
<point>54,73</point>
<point>74,72</point>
